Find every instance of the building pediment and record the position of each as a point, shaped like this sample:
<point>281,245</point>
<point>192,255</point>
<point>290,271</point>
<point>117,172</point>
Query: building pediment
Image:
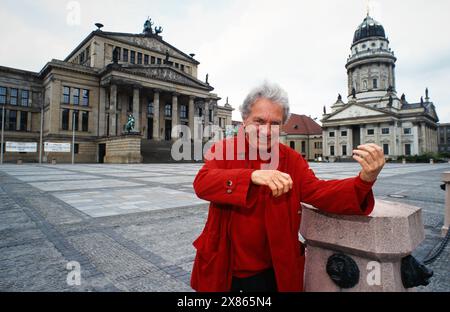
<point>153,43</point>
<point>162,73</point>
<point>355,111</point>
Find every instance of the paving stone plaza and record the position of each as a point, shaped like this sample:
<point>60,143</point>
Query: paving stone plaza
<point>131,227</point>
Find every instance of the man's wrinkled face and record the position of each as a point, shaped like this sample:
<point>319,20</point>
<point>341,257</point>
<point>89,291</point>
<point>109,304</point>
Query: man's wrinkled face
<point>262,126</point>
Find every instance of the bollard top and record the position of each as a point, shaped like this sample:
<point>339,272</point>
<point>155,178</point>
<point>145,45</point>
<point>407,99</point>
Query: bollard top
<point>446,177</point>
<point>393,230</point>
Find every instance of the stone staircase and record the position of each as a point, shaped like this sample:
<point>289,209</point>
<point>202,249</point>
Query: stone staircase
<point>160,152</point>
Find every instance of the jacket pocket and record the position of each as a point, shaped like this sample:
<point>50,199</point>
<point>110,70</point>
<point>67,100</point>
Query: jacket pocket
<point>207,245</point>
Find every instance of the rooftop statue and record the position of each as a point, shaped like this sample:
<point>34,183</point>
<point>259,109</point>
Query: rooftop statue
<point>148,26</point>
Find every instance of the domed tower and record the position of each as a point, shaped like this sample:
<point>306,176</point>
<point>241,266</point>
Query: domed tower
<point>371,67</point>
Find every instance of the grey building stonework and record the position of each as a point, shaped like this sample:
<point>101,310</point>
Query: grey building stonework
<point>105,79</point>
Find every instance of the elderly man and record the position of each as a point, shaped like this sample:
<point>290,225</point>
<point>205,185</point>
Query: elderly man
<point>250,240</point>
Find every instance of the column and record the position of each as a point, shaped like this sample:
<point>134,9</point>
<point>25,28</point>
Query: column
<point>337,150</point>
<point>102,113</point>
<point>423,132</point>
<point>175,116</point>
<point>206,113</point>
<point>70,120</point>
<point>206,118</point>
<point>156,116</point>
<point>29,122</point>
<point>18,119</point>
<point>112,110</point>
<point>394,141</point>
<point>191,115</point>
<point>136,102</point>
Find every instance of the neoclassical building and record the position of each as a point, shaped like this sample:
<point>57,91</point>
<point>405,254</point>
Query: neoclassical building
<point>105,79</point>
<point>373,112</point>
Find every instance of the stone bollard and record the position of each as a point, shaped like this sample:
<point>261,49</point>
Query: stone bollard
<point>404,161</point>
<point>53,161</point>
<point>446,179</point>
<point>361,253</point>
<point>431,161</point>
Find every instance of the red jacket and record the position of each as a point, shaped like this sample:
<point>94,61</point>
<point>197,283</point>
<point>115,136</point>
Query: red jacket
<point>227,184</point>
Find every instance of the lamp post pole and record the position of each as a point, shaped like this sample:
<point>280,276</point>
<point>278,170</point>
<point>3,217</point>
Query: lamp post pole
<point>73,137</point>
<point>40,135</point>
<point>3,131</point>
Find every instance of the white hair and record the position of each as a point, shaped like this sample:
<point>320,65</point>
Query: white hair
<point>269,91</point>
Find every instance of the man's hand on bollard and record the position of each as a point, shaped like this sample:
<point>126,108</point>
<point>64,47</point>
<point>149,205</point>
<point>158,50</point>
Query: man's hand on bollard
<point>279,182</point>
<point>371,158</point>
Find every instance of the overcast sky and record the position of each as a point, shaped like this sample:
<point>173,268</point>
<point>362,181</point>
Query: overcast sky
<point>302,45</point>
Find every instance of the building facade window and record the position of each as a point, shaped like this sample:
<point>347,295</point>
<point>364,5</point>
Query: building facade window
<point>85,122</point>
<point>344,150</point>
<point>2,95</point>
<point>85,97</point>
<point>385,131</point>
<point>182,67</point>
<point>66,95</point>
<point>406,130</point>
<point>146,59</point>
<point>375,83</point>
<point>12,120</point>
<point>65,119</point>
<point>23,121</point>
<point>139,58</point>
<point>200,112</point>
<point>125,55</point>
<point>408,149</point>
<point>211,116</point>
<point>76,97</point>
<point>292,145</point>
<point>119,53</point>
<point>168,110</point>
<point>386,149</point>
<point>370,131</point>
<point>25,98</point>
<point>158,61</point>
<point>183,112</point>
<point>14,94</point>
<point>76,149</point>
<point>152,60</point>
<point>150,108</point>
<point>332,150</point>
<point>303,147</point>
<point>133,57</point>
<point>331,134</point>
<point>343,133</point>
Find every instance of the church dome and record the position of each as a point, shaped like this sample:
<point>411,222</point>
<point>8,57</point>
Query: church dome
<point>369,28</point>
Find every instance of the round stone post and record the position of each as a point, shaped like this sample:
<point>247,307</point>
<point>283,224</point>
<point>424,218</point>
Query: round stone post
<point>360,253</point>
<point>446,179</point>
